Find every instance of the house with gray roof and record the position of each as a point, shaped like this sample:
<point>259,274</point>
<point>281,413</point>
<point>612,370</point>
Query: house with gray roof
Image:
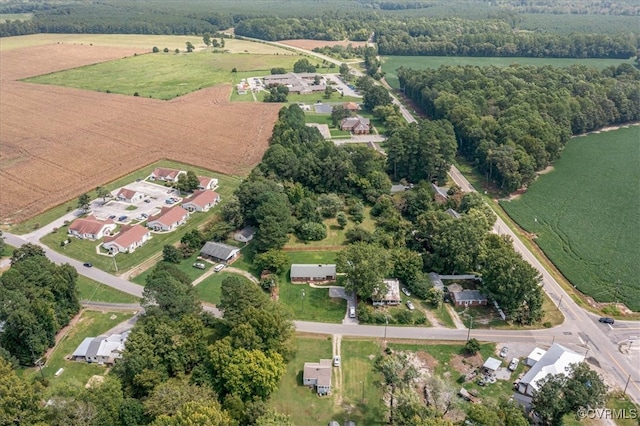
<point>441,193</point>
<point>467,298</point>
<point>219,252</point>
<point>101,349</point>
<point>304,273</point>
<point>245,234</point>
<point>318,375</point>
<point>555,361</point>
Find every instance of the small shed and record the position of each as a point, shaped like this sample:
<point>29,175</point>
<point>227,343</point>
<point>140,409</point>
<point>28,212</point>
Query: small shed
<point>534,356</point>
<point>491,365</point>
<point>245,234</point>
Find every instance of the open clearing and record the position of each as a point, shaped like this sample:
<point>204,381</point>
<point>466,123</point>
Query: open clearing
<point>59,142</point>
<point>391,63</point>
<point>312,44</point>
<point>586,214</point>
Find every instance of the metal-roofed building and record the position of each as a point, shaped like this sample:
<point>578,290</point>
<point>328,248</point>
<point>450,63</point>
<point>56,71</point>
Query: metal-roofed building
<point>302,273</point>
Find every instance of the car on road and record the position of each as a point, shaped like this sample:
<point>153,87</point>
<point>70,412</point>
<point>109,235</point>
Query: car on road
<point>144,215</point>
<point>113,216</point>
<point>122,218</point>
<point>199,265</point>
<point>410,305</point>
<point>352,311</point>
<point>503,352</point>
<point>88,264</point>
<point>514,364</point>
<point>336,361</point>
<point>607,320</point>
<point>219,267</point>
<point>147,200</point>
<point>406,291</point>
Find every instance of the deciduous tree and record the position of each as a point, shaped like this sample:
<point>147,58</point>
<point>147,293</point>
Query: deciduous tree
<point>365,266</point>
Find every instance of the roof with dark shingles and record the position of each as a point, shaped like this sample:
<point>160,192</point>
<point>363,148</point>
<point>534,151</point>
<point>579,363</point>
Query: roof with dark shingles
<point>218,250</point>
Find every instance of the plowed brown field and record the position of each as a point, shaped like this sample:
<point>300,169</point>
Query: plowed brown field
<point>312,44</point>
<point>56,143</point>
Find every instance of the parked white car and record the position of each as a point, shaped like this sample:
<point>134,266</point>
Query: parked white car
<point>514,364</point>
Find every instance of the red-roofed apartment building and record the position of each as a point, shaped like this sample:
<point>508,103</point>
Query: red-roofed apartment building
<point>168,219</point>
<point>207,182</point>
<point>130,196</point>
<point>90,228</point>
<point>127,240</point>
<point>166,175</point>
<point>201,201</point>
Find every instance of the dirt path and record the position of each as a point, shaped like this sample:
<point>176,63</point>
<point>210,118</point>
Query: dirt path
<point>337,383</point>
<point>137,270</point>
<point>456,319</point>
<point>243,273</point>
<point>62,333</point>
<point>433,319</point>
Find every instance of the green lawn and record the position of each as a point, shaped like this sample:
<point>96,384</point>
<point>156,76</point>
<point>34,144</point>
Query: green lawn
<point>93,291</point>
<point>76,374</point>
<point>185,266</point>
<point>335,235</point>
<point>209,289</point>
<point>391,63</point>
<point>7,251</point>
<point>164,75</point>
<point>227,183</point>
<point>5,17</point>
<point>316,304</point>
<point>593,195</point>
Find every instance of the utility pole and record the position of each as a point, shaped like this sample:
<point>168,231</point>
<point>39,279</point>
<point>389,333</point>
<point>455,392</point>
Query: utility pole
<point>303,301</point>
<point>386,322</point>
<point>627,385</point>
<point>469,329</point>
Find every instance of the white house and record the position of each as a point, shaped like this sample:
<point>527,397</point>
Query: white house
<point>127,240</point>
<point>534,356</point>
<point>168,219</point>
<point>90,228</point>
<point>101,349</point>
<point>130,196</point>
<point>207,182</point>
<point>245,234</point>
<point>318,375</point>
<point>201,200</point>
<point>166,175</point>
<point>389,295</point>
<point>555,361</point>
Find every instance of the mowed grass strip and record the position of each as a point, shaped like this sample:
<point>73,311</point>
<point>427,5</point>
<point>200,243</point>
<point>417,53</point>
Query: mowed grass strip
<point>209,290</point>
<point>76,373</point>
<point>390,64</point>
<point>164,75</point>
<point>93,291</point>
<point>586,214</point>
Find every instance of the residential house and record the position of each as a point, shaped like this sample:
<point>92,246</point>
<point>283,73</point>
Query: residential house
<point>318,375</point>
<point>555,361</point>
<point>356,125</point>
<point>535,356</point>
<point>321,108</point>
<point>441,193</point>
<point>303,273</point>
<point>207,182</point>
<point>166,175</point>
<point>201,200</point>
<point>245,234</point>
<point>219,252</point>
<point>467,298</point>
<point>388,296</point>
<point>130,196</point>
<point>101,349</point>
<point>351,106</point>
<point>91,228</point>
<point>168,219</point>
<point>127,240</point>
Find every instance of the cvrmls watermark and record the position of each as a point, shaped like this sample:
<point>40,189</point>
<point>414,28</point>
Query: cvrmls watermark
<point>607,413</point>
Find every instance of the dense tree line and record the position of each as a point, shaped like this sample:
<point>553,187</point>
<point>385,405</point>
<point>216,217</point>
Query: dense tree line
<point>37,299</point>
<point>512,122</point>
<point>325,27</point>
<point>460,37</point>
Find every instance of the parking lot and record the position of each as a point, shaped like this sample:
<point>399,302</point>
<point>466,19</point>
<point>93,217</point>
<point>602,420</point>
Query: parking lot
<point>121,212</point>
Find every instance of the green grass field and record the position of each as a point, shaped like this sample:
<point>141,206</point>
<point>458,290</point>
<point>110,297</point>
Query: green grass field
<point>391,63</point>
<point>93,291</point>
<point>586,215</point>
<point>5,17</point>
<point>76,374</point>
<point>335,235</point>
<point>186,266</point>
<point>209,290</point>
<point>163,75</point>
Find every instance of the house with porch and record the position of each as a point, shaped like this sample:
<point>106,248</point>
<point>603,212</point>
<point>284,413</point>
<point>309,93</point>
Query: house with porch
<point>219,252</point>
<point>91,228</point>
<point>201,200</point>
<point>389,294</point>
<point>166,175</point>
<point>127,240</point>
<point>168,219</point>
<point>318,375</point>
<point>305,273</point>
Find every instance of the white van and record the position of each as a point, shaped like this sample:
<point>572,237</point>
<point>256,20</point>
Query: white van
<point>219,267</point>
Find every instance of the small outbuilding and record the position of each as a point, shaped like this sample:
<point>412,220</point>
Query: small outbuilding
<point>534,356</point>
<point>245,234</point>
<point>491,365</point>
